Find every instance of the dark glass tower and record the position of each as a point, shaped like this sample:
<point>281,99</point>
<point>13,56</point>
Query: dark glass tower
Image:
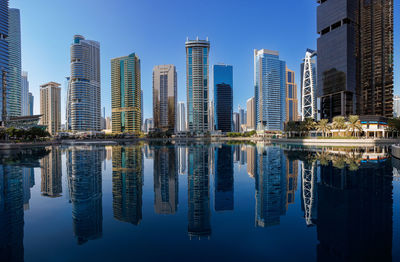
<point>4,57</point>
<point>376,53</point>
<point>223,97</point>
<point>355,57</point>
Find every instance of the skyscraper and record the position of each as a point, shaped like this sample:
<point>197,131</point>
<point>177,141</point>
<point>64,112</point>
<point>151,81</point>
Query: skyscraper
<point>291,96</point>
<point>308,74</point>
<point>236,122</point>
<point>14,48</point>
<point>164,97</point>
<point>376,55</point>
<point>126,94</point>
<point>355,57</point>
<point>197,81</point>
<point>84,96</point>
<point>4,57</point>
<point>396,106</point>
<point>251,114</point>
<point>242,118</point>
<point>30,106</point>
<point>181,117</point>
<point>24,94</point>
<point>223,97</point>
<point>270,86</point>
<point>50,106</point>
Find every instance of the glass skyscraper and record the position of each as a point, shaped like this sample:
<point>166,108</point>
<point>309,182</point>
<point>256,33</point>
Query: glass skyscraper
<point>84,96</point>
<point>24,94</point>
<point>3,46</point>
<point>270,87</point>
<point>355,57</point>
<point>126,94</point>
<point>223,97</point>
<point>14,49</point>
<point>197,80</point>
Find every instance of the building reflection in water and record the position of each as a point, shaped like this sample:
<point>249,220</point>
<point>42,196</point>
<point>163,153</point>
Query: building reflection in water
<point>199,224</point>
<point>181,151</point>
<point>292,172</point>
<point>355,209</point>
<point>28,180</point>
<point>165,181</point>
<point>251,161</point>
<point>270,186</point>
<point>127,178</point>
<point>51,185</point>
<point>16,180</point>
<point>223,184</point>
<point>85,186</point>
<point>309,176</point>
<point>11,214</point>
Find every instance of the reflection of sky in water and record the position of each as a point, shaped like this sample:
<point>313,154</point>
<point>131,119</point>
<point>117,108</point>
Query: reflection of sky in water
<point>222,203</point>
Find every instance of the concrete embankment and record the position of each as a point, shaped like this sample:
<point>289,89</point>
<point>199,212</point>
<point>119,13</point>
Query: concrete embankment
<point>395,150</point>
<point>337,142</point>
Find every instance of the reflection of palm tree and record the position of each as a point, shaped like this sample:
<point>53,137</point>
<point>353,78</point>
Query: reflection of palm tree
<point>339,161</point>
<point>323,126</point>
<point>354,124</point>
<point>323,158</point>
<point>353,160</point>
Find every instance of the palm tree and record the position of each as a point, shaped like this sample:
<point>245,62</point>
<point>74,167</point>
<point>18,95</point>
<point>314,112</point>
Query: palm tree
<point>308,124</point>
<point>354,124</point>
<point>323,126</point>
<point>339,123</point>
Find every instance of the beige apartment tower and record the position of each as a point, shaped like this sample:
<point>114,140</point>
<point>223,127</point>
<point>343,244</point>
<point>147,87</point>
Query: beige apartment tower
<point>126,99</point>
<point>251,114</point>
<point>50,106</point>
<point>164,97</point>
<point>291,96</point>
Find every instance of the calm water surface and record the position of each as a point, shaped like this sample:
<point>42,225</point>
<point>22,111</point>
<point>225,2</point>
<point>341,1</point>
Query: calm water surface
<point>197,202</point>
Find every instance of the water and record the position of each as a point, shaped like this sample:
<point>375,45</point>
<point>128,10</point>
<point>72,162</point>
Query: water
<point>199,202</point>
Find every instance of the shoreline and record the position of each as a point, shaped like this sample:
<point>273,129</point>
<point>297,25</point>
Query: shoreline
<point>305,142</point>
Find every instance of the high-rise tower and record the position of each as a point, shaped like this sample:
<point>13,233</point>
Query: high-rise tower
<point>84,100</point>
<point>4,57</point>
<point>223,97</point>
<point>270,86</point>
<point>355,57</point>
<point>126,94</point>
<point>50,106</point>
<point>197,81</point>
<point>164,97</point>
<point>14,49</point>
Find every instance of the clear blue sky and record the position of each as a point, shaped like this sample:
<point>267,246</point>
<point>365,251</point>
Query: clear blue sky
<point>157,29</point>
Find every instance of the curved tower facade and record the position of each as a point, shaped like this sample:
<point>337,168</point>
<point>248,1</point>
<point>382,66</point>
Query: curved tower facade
<point>84,100</point>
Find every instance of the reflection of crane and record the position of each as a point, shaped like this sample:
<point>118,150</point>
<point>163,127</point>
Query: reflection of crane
<point>308,187</point>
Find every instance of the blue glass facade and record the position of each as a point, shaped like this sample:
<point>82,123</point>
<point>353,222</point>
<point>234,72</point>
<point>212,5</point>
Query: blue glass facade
<point>270,90</point>
<point>4,57</point>
<point>223,97</point>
